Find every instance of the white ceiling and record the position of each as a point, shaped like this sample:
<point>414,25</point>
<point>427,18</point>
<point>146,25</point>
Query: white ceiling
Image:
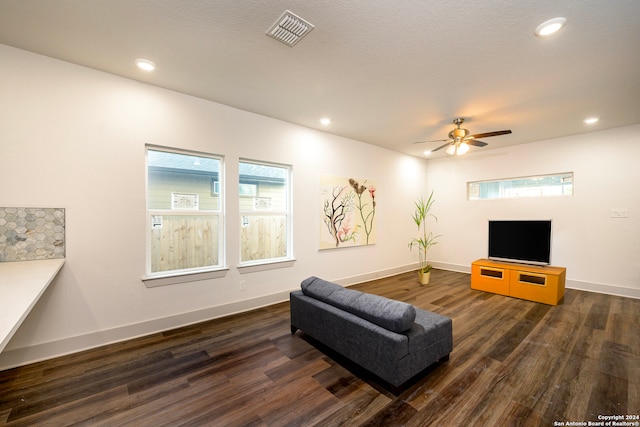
<point>387,72</point>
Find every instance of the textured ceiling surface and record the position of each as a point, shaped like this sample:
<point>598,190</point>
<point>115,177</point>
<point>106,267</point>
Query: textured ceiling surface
<point>387,72</point>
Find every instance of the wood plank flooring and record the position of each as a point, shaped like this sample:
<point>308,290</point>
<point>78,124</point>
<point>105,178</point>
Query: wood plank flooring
<point>514,363</point>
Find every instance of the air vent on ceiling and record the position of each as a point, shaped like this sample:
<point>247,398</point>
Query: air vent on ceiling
<point>289,28</point>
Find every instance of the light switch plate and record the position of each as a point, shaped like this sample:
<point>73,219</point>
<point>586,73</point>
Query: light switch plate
<point>619,213</point>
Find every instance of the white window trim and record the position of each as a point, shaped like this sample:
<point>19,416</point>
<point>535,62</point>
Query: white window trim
<point>184,276</point>
<point>271,263</point>
<point>192,274</point>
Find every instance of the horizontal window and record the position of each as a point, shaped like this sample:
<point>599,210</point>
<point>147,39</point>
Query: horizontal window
<point>560,184</point>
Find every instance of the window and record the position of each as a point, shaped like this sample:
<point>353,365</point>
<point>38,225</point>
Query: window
<point>531,186</point>
<point>184,211</point>
<point>265,212</point>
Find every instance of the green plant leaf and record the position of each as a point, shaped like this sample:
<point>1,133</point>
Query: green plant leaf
<point>425,238</point>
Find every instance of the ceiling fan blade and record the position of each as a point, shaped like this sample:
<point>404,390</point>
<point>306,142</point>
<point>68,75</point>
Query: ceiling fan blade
<point>441,147</point>
<point>488,134</point>
<point>435,140</point>
<point>476,143</point>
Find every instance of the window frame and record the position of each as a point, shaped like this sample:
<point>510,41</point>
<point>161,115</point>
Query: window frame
<point>561,175</point>
<point>167,277</point>
<point>287,212</point>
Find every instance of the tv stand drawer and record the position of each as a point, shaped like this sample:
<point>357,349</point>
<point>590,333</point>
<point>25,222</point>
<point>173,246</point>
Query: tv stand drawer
<point>490,279</point>
<point>543,288</point>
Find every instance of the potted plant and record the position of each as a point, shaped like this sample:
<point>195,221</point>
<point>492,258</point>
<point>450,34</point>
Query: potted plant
<point>425,239</point>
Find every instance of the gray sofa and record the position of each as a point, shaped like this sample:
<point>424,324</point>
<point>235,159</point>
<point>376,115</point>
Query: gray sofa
<point>391,339</point>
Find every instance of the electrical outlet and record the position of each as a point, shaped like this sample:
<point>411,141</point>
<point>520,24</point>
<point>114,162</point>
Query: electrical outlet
<point>619,213</point>
<point>243,285</point>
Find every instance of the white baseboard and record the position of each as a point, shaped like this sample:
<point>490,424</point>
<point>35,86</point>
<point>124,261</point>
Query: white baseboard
<point>452,267</point>
<point>26,355</point>
<point>352,280</point>
<point>620,291</point>
<point>360,278</point>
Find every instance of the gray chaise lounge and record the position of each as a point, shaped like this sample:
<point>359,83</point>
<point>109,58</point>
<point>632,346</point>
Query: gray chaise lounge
<point>391,339</point>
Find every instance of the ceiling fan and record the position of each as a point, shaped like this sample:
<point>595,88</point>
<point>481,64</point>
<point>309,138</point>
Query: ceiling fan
<point>460,139</point>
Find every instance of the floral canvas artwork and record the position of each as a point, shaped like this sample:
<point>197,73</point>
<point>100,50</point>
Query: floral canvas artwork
<point>348,212</point>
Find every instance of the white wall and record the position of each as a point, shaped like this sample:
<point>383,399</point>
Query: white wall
<point>75,138</point>
<point>600,253</point>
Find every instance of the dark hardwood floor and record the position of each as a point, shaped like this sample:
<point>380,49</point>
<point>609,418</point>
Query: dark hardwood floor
<point>514,362</point>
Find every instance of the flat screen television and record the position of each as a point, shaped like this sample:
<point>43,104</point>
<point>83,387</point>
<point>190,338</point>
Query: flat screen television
<point>523,241</point>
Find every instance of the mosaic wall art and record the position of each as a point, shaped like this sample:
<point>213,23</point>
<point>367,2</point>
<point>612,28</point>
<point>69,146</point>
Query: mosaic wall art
<point>31,234</point>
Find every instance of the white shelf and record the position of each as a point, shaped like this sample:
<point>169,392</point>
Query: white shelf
<point>21,285</point>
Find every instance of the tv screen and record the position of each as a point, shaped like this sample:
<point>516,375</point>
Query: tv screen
<point>525,241</point>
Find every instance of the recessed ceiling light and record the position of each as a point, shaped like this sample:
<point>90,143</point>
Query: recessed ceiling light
<point>145,64</point>
<point>591,120</point>
<point>326,121</point>
<point>550,27</point>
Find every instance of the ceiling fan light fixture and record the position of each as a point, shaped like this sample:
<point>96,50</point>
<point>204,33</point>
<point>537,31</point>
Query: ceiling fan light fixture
<point>550,27</point>
<point>457,149</point>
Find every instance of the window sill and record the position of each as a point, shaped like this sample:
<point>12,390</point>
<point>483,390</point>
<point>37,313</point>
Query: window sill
<point>177,278</point>
<point>266,265</point>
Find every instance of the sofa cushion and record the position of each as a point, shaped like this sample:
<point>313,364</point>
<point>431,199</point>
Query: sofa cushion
<point>396,316</point>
